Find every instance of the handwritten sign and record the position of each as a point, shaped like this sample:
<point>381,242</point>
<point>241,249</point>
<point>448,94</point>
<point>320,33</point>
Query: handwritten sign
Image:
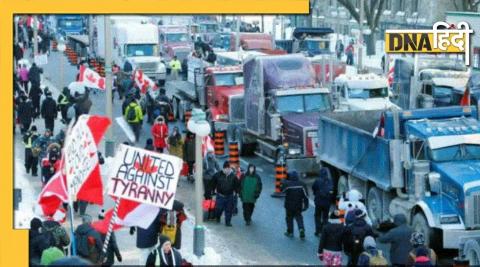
<point>80,155</point>
<point>144,176</point>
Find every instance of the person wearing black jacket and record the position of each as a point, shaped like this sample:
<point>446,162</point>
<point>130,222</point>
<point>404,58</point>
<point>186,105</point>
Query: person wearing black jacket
<point>112,250</point>
<point>226,185</point>
<point>37,241</point>
<point>147,238</point>
<point>35,94</point>
<point>34,75</point>
<point>63,102</point>
<point>355,233</point>
<point>25,114</point>
<point>322,190</point>
<point>31,161</point>
<point>296,201</point>
<point>49,111</point>
<point>330,246</point>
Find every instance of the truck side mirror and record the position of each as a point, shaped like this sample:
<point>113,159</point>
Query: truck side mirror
<point>434,182</point>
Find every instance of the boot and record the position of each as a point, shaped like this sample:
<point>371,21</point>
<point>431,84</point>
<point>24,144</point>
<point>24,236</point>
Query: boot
<point>288,234</point>
<point>302,234</point>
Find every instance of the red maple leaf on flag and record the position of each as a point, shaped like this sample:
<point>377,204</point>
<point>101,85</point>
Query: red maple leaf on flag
<point>90,78</point>
<point>146,166</point>
<point>101,83</point>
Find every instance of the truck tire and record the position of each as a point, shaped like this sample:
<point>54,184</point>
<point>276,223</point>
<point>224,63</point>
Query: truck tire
<point>375,204</point>
<point>420,224</point>
<point>471,250</point>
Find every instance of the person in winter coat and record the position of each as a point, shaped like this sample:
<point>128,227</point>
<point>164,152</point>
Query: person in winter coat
<point>17,52</point>
<point>51,163</point>
<point>322,189</point>
<point>112,250</point>
<point>49,111</point>
<point>25,114</point>
<point>37,241</point>
<point>50,255</point>
<point>422,257</point>
<point>42,144</point>
<point>371,255</point>
<point>296,201</point>
<point>134,116</point>
<point>82,103</point>
<point>34,75</point>
<point>418,242</point>
<point>210,168</point>
<point>399,239</point>
<point>189,153</point>
<point>88,241</point>
<point>149,145</point>
<point>175,143</point>
<point>179,217</point>
<point>351,201</point>
<point>355,233</point>
<point>35,94</point>
<point>165,254</point>
<point>147,238</point>
<point>159,133</point>
<point>250,189</point>
<point>58,232</point>
<point>226,185</point>
<point>22,73</point>
<point>64,103</point>
<point>31,158</point>
<point>349,52</point>
<point>330,246</point>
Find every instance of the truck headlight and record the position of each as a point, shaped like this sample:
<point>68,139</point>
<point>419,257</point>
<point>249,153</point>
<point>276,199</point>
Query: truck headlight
<point>449,219</point>
<point>294,151</point>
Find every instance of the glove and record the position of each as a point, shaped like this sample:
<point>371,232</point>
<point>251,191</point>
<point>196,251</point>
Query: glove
<point>119,258</point>
<point>132,230</point>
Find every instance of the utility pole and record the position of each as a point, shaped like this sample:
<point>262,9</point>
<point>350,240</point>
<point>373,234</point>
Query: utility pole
<point>263,24</point>
<point>35,36</point>
<point>360,37</point>
<point>109,143</point>
<point>282,25</point>
<point>237,36</point>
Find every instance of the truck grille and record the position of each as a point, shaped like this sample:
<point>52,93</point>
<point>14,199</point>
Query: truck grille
<point>472,210</point>
<point>236,109</point>
<point>148,67</point>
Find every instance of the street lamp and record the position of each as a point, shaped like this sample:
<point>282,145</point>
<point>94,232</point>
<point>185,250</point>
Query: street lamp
<point>61,47</point>
<point>201,128</point>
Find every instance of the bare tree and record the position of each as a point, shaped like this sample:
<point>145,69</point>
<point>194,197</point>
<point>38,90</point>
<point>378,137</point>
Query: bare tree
<point>373,10</point>
<point>466,5</point>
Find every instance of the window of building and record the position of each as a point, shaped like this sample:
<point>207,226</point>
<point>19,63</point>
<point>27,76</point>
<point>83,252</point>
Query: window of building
<point>388,5</point>
<point>414,6</point>
<point>401,5</point>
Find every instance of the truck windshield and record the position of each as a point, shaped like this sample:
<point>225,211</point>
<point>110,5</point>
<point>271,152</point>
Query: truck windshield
<point>368,93</point>
<point>314,45</point>
<point>177,37</point>
<point>138,50</point>
<point>303,103</point>
<point>228,79</point>
<point>442,91</point>
<point>70,23</point>
<point>454,153</point>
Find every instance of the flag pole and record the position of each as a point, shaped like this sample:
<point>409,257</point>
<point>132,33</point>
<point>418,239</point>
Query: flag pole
<point>73,251</point>
<point>110,229</point>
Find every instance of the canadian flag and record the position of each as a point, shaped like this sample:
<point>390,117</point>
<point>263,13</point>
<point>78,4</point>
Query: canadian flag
<point>55,192</point>
<point>129,213</point>
<point>390,76</point>
<point>380,128</point>
<point>91,78</point>
<point>143,82</point>
<point>465,101</point>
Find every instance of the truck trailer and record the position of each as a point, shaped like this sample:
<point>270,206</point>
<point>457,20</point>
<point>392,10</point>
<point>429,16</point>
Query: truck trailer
<point>423,163</point>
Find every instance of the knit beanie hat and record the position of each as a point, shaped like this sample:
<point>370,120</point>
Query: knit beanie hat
<point>50,255</point>
<point>369,242</point>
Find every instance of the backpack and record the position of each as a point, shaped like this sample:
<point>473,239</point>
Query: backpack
<point>131,114</point>
<point>377,260</point>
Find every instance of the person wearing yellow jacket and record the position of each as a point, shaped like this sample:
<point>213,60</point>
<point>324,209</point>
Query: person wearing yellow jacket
<point>175,66</point>
<point>134,116</point>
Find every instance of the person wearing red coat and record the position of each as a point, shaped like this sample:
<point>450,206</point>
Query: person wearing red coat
<point>160,134</point>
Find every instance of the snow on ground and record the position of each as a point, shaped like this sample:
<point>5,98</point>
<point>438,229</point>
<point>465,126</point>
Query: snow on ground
<point>25,212</point>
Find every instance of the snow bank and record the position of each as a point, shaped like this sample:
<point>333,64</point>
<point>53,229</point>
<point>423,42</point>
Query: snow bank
<point>26,208</point>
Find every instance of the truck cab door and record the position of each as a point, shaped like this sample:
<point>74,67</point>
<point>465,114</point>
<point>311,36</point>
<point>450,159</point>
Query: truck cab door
<point>272,120</point>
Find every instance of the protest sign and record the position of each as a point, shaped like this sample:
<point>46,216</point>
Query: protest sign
<point>80,155</point>
<point>144,176</point>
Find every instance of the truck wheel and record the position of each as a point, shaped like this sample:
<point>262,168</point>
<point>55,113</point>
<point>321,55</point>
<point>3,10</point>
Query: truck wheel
<point>420,224</point>
<point>342,186</point>
<point>374,204</point>
<point>471,250</point>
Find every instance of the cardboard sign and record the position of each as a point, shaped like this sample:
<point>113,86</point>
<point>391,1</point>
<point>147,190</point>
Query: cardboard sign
<point>41,59</point>
<point>144,176</point>
<point>80,155</point>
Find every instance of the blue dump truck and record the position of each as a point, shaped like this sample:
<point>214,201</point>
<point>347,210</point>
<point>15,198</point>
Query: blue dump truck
<point>423,163</point>
<point>71,24</point>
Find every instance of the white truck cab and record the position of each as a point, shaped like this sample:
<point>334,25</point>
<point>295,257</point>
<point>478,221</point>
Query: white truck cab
<point>362,92</point>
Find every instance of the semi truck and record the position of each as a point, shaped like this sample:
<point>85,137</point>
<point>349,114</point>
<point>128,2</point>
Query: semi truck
<point>310,41</point>
<point>175,41</point>
<point>428,81</point>
<point>362,92</point>
<point>69,25</point>
<point>134,40</point>
<point>282,105</point>
<point>423,163</point>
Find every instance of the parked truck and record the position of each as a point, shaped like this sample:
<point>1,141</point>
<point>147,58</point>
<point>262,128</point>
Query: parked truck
<point>175,41</point>
<point>282,106</point>
<point>134,40</point>
<point>422,163</point>
<point>69,25</point>
<point>310,41</point>
<point>428,81</point>
<point>362,92</point>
